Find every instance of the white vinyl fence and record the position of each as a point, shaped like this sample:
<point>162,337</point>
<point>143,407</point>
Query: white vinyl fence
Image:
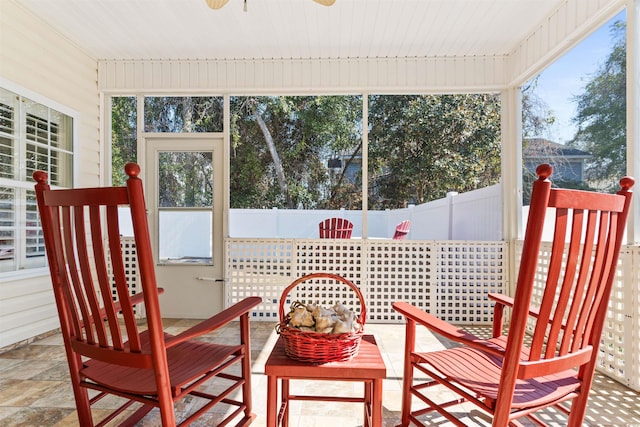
<point>476,215</point>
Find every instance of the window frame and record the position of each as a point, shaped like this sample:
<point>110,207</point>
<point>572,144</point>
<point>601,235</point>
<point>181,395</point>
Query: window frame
<point>22,219</point>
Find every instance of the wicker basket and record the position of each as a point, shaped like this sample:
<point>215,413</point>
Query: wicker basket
<point>316,347</point>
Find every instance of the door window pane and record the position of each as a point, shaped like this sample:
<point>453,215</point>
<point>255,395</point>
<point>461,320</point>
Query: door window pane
<point>185,236</point>
<point>185,179</point>
<point>185,198</point>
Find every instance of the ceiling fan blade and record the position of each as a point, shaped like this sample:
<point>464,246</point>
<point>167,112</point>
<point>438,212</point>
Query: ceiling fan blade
<point>216,4</point>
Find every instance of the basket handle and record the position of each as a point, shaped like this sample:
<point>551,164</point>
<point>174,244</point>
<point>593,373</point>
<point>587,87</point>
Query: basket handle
<point>363,311</point>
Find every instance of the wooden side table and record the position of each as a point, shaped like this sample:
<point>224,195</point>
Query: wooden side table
<point>367,367</point>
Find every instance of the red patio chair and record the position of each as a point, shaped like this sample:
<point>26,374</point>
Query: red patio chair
<point>502,375</point>
<point>402,230</point>
<point>336,228</point>
<point>109,350</point>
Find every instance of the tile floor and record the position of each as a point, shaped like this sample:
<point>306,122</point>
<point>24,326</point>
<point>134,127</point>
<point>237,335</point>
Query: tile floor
<point>34,390</point>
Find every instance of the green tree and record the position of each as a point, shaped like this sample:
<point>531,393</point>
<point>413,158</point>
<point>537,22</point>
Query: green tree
<point>306,151</point>
<point>162,114</point>
<point>183,114</point>
<point>421,147</point>
<point>280,147</point>
<point>537,117</point>
<point>601,116</point>
<point>123,137</point>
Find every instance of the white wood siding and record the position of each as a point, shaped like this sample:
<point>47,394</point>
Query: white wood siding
<point>35,58</point>
<point>380,75</point>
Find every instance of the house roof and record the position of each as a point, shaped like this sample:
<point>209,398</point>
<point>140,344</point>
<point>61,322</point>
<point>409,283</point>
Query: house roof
<point>285,29</point>
<point>537,148</point>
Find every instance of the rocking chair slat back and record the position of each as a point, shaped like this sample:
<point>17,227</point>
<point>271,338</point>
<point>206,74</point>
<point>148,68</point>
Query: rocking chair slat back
<point>82,266</point>
<point>584,246</point>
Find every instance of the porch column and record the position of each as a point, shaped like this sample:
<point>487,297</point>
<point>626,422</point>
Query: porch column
<point>511,131</point>
<point>365,165</point>
<point>633,116</point>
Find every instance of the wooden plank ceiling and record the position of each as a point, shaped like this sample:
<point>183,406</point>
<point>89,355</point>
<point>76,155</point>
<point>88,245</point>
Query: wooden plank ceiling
<point>286,29</point>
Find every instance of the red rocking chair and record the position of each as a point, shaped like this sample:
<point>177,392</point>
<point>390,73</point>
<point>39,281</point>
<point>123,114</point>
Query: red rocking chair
<point>109,350</point>
<point>505,376</point>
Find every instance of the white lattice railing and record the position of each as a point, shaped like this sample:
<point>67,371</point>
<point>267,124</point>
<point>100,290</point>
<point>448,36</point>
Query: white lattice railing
<point>129,257</point>
<point>447,278</point>
<point>632,335</point>
<point>620,346</point>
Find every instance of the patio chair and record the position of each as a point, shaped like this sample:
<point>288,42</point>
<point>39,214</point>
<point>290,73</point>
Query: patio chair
<point>402,230</point>
<point>548,355</point>
<point>335,228</point>
<point>111,351</point>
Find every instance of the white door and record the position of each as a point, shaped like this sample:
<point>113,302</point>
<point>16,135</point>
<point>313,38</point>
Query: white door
<point>184,190</point>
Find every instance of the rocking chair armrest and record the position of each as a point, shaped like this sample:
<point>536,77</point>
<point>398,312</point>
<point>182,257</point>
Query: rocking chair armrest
<point>216,321</point>
<point>509,302</point>
<point>133,299</point>
<point>446,329</point>
<point>138,298</point>
<point>501,299</point>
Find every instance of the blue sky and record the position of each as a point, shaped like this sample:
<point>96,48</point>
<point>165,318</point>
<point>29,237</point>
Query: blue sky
<point>567,76</point>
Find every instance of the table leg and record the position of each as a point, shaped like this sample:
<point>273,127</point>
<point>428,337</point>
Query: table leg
<point>367,403</point>
<point>272,401</point>
<point>285,402</point>
<point>376,403</point>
